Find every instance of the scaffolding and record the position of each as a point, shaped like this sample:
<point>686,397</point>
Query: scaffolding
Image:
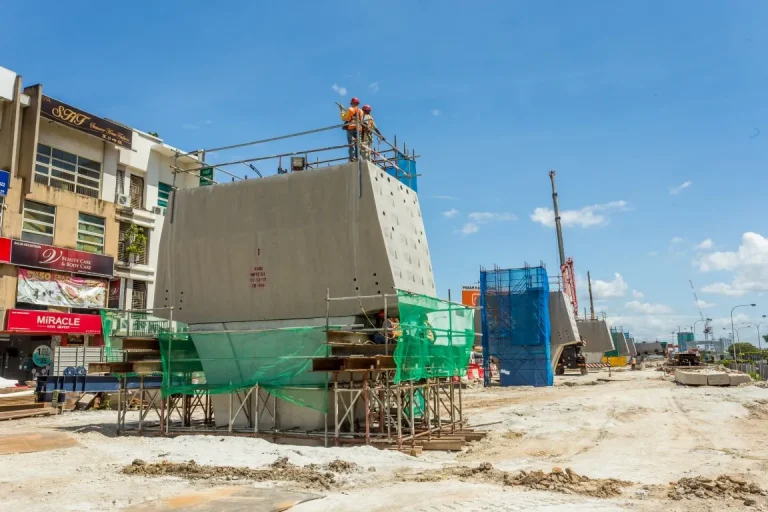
<point>380,394</point>
<point>516,327</point>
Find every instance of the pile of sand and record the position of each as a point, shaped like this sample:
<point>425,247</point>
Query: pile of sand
<point>567,482</point>
<point>723,487</point>
<point>311,476</point>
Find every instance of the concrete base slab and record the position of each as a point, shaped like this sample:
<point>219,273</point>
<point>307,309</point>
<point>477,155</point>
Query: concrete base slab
<point>739,378</point>
<point>718,379</point>
<point>691,378</point>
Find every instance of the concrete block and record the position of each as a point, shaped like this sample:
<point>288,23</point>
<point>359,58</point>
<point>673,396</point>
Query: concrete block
<point>597,335</point>
<point>739,378</point>
<point>718,379</point>
<point>563,323</point>
<point>691,378</point>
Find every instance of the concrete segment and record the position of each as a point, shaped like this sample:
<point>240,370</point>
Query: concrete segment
<point>563,325</point>
<point>739,378</point>
<point>718,379</point>
<point>268,249</point>
<point>597,335</point>
<point>690,378</point>
<point>621,342</point>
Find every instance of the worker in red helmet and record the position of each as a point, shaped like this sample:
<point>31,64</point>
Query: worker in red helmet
<point>369,127</point>
<point>352,118</point>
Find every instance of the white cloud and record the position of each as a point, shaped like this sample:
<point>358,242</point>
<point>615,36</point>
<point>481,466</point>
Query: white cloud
<point>676,240</point>
<point>648,308</point>
<point>437,112</point>
<point>609,289</point>
<point>341,91</point>
<point>196,125</point>
<point>680,188</point>
<point>469,228</point>
<point>637,295</point>
<point>707,243</point>
<point>749,264</point>
<point>374,86</point>
<point>589,216</point>
<point>705,305</point>
<point>450,213</point>
<point>489,216</point>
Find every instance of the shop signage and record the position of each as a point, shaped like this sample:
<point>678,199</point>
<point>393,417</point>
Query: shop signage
<point>22,320</point>
<point>56,289</point>
<point>114,294</point>
<point>31,254</point>
<point>83,121</point>
<point>5,177</point>
<point>470,297</point>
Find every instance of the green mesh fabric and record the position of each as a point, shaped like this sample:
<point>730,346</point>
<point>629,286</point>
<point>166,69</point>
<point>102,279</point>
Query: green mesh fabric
<point>278,360</point>
<point>437,338</point>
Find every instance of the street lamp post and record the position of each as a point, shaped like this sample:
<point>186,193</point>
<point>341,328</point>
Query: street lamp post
<point>733,336</point>
<point>759,342</point>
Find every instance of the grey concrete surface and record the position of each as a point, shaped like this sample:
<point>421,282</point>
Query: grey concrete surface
<point>739,378</point>
<point>268,249</point>
<point>690,378</point>
<point>648,348</point>
<point>563,324</point>
<point>597,335</point>
<point>718,379</point>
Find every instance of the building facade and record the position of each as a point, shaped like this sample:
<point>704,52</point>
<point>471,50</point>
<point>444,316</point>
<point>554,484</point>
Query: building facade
<point>83,200</point>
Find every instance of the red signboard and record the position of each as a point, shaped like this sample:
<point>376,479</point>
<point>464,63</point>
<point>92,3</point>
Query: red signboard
<point>5,250</point>
<point>31,254</point>
<point>22,320</point>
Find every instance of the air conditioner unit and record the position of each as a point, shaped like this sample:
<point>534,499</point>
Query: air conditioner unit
<point>123,200</point>
<point>157,210</point>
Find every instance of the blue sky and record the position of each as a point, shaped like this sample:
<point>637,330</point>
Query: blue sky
<point>653,114</point>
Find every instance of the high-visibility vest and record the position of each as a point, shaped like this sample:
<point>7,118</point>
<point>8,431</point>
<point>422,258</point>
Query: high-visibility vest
<point>368,123</point>
<point>351,116</point>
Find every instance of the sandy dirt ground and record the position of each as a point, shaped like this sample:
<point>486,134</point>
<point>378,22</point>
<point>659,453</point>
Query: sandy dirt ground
<point>640,429</point>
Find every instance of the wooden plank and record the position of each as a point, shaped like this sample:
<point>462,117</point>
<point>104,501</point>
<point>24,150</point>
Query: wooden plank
<point>370,363</point>
<point>327,364</point>
<point>141,344</point>
<point>348,349</point>
<point>110,368</point>
<point>27,414</point>
<point>85,401</point>
<point>20,407</point>
<point>451,445</point>
<point>147,366</point>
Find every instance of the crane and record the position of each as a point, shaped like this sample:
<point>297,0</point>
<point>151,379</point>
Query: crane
<point>707,327</point>
<point>566,264</point>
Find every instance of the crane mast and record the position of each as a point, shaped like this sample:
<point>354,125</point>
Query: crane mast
<point>566,264</point>
<point>707,327</point>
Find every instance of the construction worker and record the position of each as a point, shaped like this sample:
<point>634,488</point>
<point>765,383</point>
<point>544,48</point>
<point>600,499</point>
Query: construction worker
<point>369,127</point>
<point>633,362</point>
<point>352,116</point>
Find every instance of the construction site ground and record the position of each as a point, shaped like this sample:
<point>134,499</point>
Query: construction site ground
<point>631,435</point>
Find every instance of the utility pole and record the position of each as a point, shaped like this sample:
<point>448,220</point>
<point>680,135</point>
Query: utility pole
<point>591,302</point>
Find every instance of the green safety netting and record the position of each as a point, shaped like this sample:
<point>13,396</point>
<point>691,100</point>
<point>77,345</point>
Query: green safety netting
<point>437,338</point>
<point>278,360</point>
<point>116,325</point>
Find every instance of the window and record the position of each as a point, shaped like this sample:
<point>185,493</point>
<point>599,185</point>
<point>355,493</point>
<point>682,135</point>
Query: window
<point>122,256</point>
<point>59,169</point>
<point>137,191</point>
<point>38,222</point>
<point>120,183</point>
<point>139,295</point>
<point>90,233</point>
<point>163,195</point>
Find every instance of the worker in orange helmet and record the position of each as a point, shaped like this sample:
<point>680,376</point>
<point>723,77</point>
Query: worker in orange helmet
<point>369,127</point>
<point>352,116</point>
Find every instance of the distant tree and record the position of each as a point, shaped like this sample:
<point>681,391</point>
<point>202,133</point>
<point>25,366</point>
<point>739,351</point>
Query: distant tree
<point>154,134</point>
<point>743,348</point>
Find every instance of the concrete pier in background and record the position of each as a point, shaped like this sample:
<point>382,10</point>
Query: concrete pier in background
<point>563,324</point>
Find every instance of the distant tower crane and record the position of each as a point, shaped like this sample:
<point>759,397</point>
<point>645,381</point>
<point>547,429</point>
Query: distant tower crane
<point>566,264</point>
<point>707,327</point>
